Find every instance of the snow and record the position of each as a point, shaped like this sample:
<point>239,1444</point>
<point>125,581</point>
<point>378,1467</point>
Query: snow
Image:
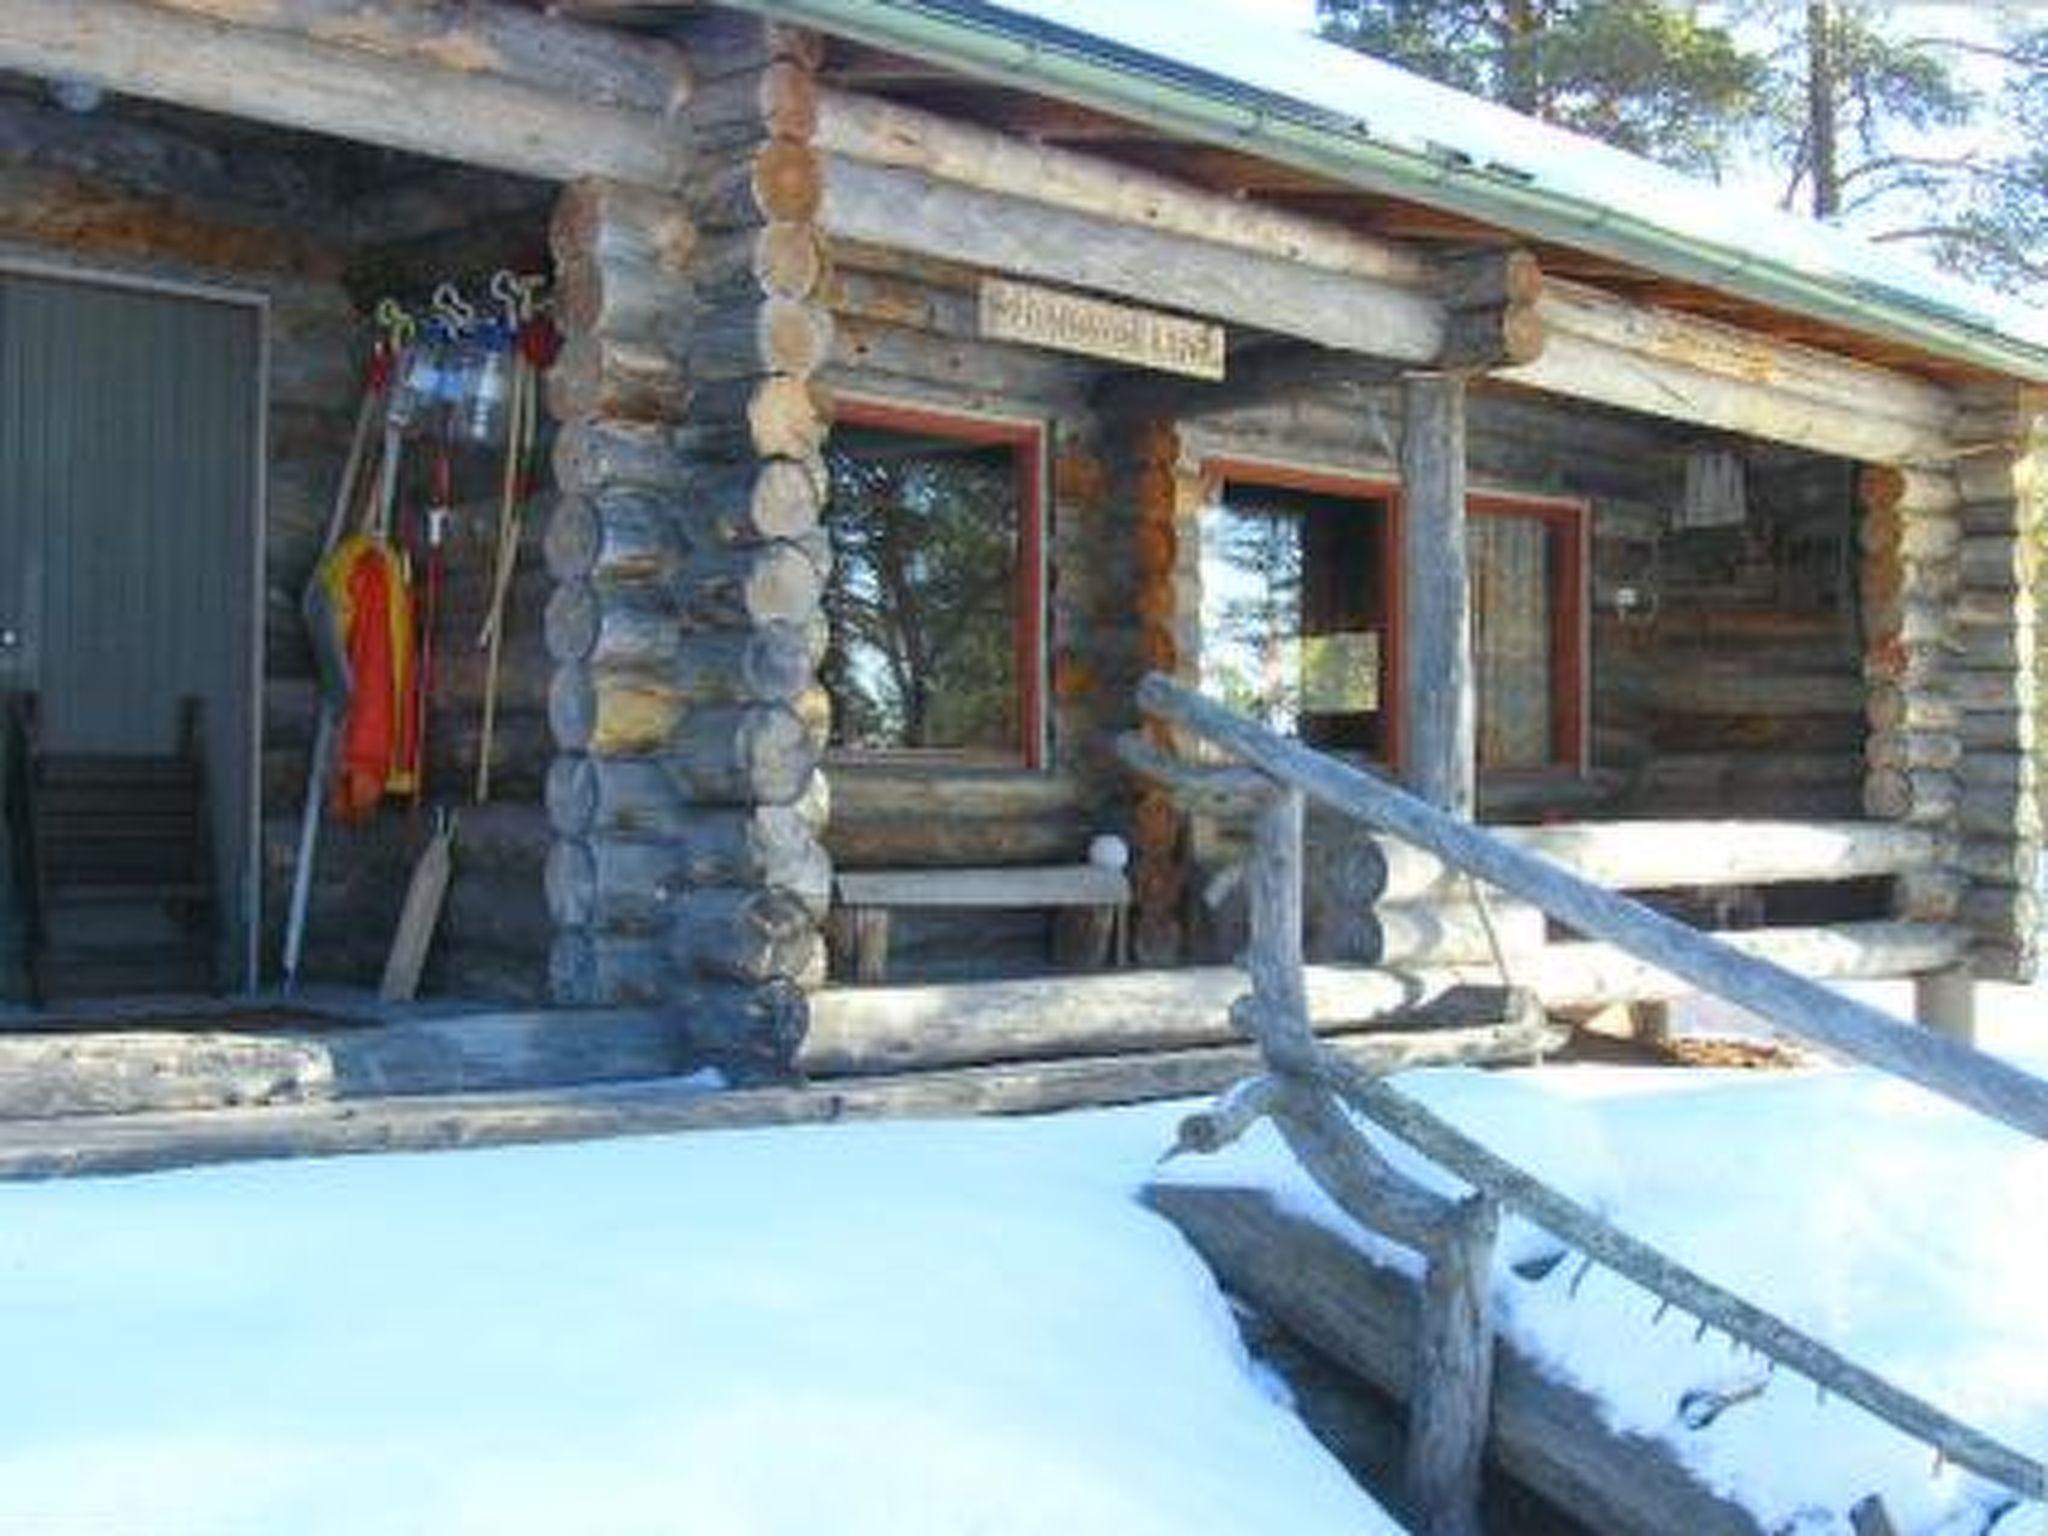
<point>971,1326</point>
<point>1888,1224</point>
<point>1240,41</point>
<point>942,1328</point>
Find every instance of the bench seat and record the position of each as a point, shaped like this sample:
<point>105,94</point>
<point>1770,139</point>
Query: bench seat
<point>866,897</point>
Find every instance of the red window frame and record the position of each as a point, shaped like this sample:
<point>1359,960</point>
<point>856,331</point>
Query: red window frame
<point>1568,523</point>
<point>1029,440</point>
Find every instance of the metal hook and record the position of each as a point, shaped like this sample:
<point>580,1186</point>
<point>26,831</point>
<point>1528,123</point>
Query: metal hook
<point>399,325</point>
<point>455,311</point>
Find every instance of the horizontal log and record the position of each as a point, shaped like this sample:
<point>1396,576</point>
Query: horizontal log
<point>614,797</point>
<point>1060,885</point>
<point>1995,689</point>
<point>641,379</point>
<point>1651,855</point>
<point>1450,930</point>
<point>754,502</point>
<point>1730,691</point>
<point>784,259</point>
<point>772,418</point>
<point>622,262</point>
<point>1918,796</point>
<point>744,340</point>
<point>760,754</point>
<point>744,588</point>
<point>860,838</point>
<point>1581,974</point>
<point>889,134</point>
<point>1897,487</point>
<point>1928,895</point>
<point>1996,476</point>
<point>1360,1316</point>
<point>619,537</point>
<point>1999,562</point>
<point>629,628</point>
<point>619,885</point>
<point>1916,749</point>
<point>1702,371</point>
<point>597,455</point>
<point>777,180</point>
<point>2000,730</point>
<point>1893,708</point>
<point>2000,911</point>
<point>390,74</point>
<point>1999,860</point>
<point>908,210</point>
<point>737,933</point>
<point>588,970</point>
<point>880,1029</point>
<point>612,714</point>
<point>1998,810</point>
<point>778,99</point>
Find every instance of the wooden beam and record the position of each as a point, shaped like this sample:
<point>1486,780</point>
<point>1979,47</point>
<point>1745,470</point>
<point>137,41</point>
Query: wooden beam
<point>1547,1435</point>
<point>487,84</point>
<point>1257,376</point>
<point>882,133</point>
<point>1437,701</point>
<point>1645,855</point>
<point>911,211</point>
<point>872,1029</point>
<point>1644,358</point>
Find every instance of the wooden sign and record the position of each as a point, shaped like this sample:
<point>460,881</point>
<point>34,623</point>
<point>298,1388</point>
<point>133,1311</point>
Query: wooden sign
<point>1067,322</point>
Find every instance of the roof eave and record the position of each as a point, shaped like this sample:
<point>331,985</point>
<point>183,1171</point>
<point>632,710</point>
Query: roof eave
<point>977,43</point>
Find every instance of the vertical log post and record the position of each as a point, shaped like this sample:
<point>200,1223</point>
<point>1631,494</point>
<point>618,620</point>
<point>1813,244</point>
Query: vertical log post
<point>1158,829</point>
<point>1994,615</point>
<point>1910,535</point>
<point>750,942</point>
<point>1453,1395</point>
<point>621,256</point>
<point>1437,702</point>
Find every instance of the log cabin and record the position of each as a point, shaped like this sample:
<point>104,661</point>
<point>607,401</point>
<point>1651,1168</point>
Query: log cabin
<point>930,372</point>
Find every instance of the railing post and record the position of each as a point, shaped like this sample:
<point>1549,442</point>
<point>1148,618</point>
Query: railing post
<point>1451,1403</point>
<point>1273,895</point>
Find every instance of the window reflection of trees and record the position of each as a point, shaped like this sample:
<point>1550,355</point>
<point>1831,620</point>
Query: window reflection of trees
<point>922,603</point>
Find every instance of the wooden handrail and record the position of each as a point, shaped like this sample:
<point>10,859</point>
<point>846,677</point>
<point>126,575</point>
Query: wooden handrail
<point>1449,1405</point>
<point>1785,999</point>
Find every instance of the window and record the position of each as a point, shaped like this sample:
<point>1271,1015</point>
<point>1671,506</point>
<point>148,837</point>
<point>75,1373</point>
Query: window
<point>1527,570</point>
<point>937,585</point>
<point>1295,589</point>
<point>1301,604</point>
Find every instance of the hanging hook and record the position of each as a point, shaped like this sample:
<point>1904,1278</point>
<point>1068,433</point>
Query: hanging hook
<point>399,326</point>
<point>454,310</point>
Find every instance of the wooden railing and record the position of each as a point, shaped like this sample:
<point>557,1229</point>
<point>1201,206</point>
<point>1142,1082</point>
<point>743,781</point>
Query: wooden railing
<point>1306,1091</point>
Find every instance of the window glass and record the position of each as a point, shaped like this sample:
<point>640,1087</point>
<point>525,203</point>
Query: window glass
<point>1514,626</point>
<point>1293,604</point>
<point>923,604</point>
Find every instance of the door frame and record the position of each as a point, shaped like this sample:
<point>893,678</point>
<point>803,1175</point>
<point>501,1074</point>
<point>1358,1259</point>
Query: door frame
<point>249,881</point>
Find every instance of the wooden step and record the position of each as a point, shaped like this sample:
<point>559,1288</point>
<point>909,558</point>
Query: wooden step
<point>97,893</point>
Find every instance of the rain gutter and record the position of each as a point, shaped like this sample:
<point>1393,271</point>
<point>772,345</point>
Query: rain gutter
<point>1009,48</point>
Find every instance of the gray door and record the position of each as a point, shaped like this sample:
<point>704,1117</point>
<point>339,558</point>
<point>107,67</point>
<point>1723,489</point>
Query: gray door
<point>128,441</point>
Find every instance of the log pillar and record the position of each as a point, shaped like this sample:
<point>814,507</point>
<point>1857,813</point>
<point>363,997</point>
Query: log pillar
<point>1158,828</point>
<point>687,618</point>
<point>1437,704</point>
<point>1994,613</point>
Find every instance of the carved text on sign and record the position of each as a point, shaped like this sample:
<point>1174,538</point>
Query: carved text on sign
<point>1067,322</point>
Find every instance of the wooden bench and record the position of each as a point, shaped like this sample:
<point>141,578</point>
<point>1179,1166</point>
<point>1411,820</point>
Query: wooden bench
<point>1099,896</point>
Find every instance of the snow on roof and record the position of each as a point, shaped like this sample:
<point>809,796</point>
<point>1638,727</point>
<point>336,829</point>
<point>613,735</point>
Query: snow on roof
<point>1239,47</point>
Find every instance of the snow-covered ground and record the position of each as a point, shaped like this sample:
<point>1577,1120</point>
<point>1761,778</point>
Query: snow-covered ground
<point>961,1327</point>
<point>900,1329</point>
